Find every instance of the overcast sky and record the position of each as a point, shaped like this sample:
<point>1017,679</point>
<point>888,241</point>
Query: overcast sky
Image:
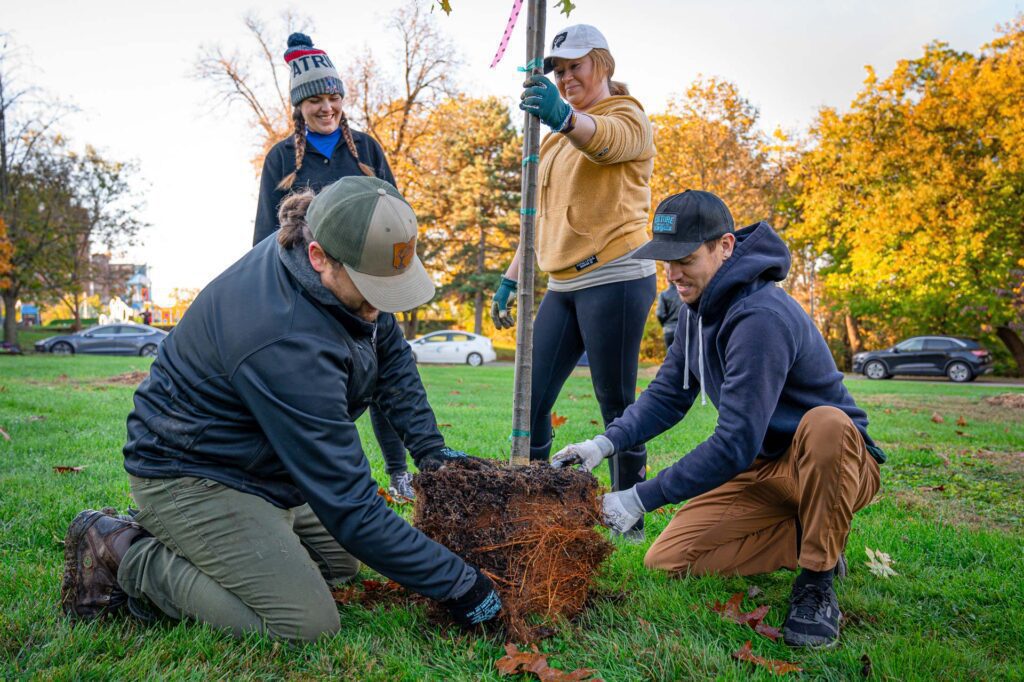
<point>126,66</point>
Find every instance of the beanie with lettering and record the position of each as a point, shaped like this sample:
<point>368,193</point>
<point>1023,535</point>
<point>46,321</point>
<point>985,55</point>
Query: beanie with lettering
<point>312,72</point>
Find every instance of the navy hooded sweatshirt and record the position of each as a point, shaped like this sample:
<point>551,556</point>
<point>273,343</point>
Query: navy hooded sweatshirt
<point>759,358</point>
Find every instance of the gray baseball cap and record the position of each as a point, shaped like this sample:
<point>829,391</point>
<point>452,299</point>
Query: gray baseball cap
<point>573,42</point>
<point>365,224</point>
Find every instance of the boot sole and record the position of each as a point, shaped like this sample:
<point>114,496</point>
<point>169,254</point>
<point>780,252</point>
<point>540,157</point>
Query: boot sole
<point>70,581</point>
<point>809,641</point>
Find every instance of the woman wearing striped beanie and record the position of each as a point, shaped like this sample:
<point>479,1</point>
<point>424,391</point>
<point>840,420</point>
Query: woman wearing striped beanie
<point>321,150</point>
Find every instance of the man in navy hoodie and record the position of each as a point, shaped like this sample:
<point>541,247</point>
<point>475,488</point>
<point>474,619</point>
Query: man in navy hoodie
<point>790,460</point>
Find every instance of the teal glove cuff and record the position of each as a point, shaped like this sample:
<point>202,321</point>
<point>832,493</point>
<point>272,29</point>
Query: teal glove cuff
<point>505,289</point>
<point>540,98</point>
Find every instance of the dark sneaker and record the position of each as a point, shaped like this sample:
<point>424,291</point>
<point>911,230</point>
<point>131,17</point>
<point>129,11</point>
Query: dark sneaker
<point>813,618</point>
<point>401,486</point>
<point>95,544</point>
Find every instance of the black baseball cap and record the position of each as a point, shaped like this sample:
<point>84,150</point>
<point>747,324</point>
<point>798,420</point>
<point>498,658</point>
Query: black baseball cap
<point>683,222</point>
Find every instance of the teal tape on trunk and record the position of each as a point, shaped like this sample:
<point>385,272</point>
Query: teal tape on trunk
<point>532,158</point>
<point>537,63</point>
<point>528,211</point>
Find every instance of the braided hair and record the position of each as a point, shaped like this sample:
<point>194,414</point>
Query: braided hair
<point>300,147</point>
<point>346,132</point>
<point>299,124</point>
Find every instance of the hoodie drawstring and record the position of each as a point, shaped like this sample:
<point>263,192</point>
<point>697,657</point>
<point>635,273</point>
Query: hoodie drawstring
<point>686,354</point>
<point>700,359</point>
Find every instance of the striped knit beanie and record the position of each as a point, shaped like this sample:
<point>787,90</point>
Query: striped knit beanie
<point>312,72</point>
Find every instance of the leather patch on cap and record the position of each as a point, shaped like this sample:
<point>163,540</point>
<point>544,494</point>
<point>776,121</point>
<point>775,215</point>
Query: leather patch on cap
<point>403,253</point>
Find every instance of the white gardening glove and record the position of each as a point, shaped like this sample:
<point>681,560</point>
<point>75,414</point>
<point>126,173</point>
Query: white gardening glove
<point>587,454</point>
<point>621,510</point>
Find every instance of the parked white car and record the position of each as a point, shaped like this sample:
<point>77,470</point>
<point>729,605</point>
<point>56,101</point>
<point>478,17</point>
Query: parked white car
<point>453,346</point>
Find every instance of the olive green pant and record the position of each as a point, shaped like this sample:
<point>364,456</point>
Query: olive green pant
<point>234,560</point>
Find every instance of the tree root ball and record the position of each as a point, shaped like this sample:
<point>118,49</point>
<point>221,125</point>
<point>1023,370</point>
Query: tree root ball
<point>529,528</point>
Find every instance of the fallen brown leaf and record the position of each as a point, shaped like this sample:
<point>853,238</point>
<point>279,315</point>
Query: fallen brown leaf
<point>444,425</point>
<point>61,469</point>
<point>370,593</point>
<point>934,488</point>
<point>397,500</point>
<point>455,393</point>
<point>732,610</point>
<point>557,420</point>
<point>777,667</point>
<point>937,418</point>
<point>865,666</point>
<point>963,433</point>
<point>6,436</point>
<point>521,662</point>
<point>887,411</point>
<point>960,421</point>
<point>595,422</point>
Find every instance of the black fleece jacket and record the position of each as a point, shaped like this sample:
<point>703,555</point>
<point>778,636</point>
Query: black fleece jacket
<point>316,173</point>
<point>258,388</point>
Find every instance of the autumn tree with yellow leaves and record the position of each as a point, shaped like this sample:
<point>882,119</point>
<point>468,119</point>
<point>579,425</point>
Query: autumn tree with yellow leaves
<point>913,200</point>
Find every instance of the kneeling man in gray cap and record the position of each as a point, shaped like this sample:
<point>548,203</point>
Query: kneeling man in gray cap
<point>255,496</point>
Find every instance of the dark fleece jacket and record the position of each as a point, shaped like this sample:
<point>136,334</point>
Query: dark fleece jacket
<point>317,172</point>
<point>258,388</point>
<point>761,361</point>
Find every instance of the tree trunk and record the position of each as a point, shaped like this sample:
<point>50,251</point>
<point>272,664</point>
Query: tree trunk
<point>478,316</point>
<point>412,323</point>
<point>10,322</point>
<point>76,307</point>
<point>1013,342</point>
<point>478,299</point>
<point>853,333</point>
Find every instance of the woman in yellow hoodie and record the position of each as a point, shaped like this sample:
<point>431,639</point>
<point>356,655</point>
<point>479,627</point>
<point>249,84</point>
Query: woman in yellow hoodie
<point>594,199</point>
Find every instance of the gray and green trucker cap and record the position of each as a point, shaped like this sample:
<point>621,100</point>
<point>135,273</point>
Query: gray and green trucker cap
<point>365,224</point>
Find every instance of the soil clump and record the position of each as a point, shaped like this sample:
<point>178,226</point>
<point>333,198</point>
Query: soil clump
<point>529,528</point>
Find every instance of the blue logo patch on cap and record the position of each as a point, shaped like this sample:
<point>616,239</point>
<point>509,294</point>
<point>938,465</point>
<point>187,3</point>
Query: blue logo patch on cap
<point>665,223</point>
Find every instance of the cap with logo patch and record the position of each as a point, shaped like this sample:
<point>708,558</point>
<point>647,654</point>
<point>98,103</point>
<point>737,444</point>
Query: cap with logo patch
<point>365,224</point>
<point>683,222</point>
<point>573,42</point>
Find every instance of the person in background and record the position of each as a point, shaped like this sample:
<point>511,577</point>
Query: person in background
<point>594,199</point>
<point>667,311</point>
<point>322,149</point>
<point>790,462</point>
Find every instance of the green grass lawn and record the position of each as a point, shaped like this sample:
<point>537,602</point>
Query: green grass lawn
<point>951,613</point>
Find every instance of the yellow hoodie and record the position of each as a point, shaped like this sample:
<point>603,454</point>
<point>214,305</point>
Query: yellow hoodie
<point>594,201</point>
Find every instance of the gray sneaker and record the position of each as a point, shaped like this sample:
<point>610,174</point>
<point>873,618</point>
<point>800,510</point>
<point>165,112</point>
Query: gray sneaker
<point>401,486</point>
<point>633,536</point>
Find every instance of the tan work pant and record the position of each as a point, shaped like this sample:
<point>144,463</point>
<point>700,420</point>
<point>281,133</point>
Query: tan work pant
<point>749,525</point>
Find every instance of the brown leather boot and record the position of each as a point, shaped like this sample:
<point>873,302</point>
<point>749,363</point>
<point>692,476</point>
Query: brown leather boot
<point>95,544</point>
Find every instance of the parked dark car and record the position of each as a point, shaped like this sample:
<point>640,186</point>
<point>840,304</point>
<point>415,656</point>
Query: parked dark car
<point>107,339</point>
<point>957,358</point>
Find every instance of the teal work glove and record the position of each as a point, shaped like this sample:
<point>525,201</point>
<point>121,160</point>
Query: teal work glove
<point>540,97</point>
<point>437,459</point>
<point>500,315</point>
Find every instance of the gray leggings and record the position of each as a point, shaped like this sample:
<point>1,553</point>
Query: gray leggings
<point>391,445</point>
